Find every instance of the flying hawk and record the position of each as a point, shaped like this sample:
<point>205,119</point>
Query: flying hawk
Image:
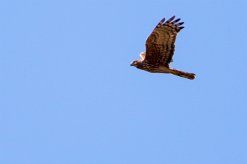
<point>160,46</point>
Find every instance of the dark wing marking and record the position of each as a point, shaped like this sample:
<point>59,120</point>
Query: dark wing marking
<point>160,44</point>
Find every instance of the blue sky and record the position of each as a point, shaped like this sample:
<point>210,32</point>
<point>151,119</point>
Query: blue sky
<point>69,96</point>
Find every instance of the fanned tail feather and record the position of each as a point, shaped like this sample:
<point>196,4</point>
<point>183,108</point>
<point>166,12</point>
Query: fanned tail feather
<point>187,75</point>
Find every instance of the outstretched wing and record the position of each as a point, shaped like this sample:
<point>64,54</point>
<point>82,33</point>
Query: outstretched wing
<point>160,44</point>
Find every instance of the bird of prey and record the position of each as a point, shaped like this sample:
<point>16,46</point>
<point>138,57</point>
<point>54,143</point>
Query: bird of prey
<point>160,46</point>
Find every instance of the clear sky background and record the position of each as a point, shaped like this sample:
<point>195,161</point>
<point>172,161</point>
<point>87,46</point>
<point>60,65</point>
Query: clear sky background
<point>69,96</point>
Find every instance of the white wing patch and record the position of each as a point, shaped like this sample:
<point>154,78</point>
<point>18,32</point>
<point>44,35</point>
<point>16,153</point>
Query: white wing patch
<point>142,55</point>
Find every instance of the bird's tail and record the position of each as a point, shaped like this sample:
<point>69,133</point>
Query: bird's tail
<point>187,75</point>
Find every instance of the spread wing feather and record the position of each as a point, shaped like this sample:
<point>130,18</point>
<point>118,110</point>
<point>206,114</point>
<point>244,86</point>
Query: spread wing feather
<point>160,45</point>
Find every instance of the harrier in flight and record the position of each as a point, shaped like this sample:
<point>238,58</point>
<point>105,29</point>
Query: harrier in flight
<point>160,46</point>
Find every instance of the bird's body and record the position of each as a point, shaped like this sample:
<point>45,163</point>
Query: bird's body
<point>160,46</point>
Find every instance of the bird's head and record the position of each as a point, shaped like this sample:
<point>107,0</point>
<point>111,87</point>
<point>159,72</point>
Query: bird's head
<point>136,63</point>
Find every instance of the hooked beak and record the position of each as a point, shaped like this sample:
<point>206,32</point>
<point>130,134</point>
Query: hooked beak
<point>133,63</point>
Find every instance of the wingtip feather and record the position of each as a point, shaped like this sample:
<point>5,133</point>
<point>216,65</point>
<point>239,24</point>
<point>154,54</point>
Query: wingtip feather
<point>171,19</point>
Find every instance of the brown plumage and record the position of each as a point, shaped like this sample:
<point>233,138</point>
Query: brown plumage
<point>160,46</point>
